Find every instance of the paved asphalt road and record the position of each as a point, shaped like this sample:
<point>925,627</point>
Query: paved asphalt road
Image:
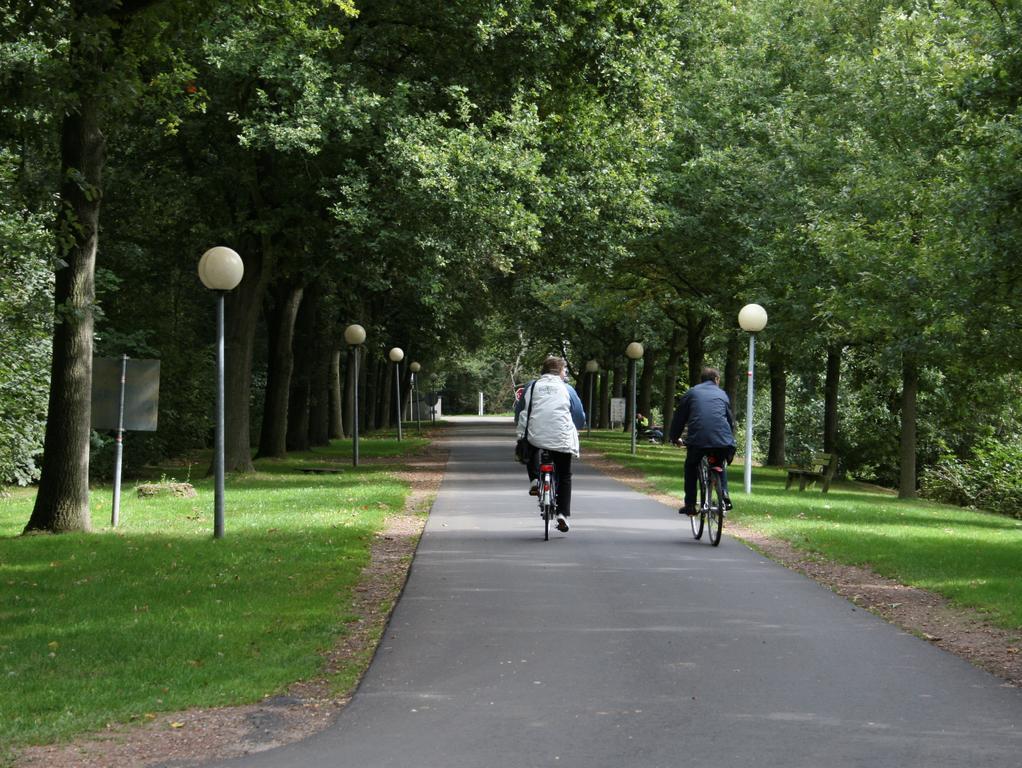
<point>625,643</point>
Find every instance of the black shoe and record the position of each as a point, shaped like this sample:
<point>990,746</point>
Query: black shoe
<point>562,524</point>
<point>727,504</point>
<point>690,511</point>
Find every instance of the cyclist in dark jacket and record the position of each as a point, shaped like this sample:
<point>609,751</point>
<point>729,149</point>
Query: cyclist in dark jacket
<point>706,411</point>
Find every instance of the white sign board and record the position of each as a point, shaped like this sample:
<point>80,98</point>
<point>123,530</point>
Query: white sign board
<point>617,410</point>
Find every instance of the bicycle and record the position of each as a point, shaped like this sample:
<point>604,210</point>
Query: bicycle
<point>547,492</point>
<point>711,499</point>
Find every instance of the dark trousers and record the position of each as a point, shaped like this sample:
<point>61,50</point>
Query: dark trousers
<point>692,459</point>
<point>562,471</point>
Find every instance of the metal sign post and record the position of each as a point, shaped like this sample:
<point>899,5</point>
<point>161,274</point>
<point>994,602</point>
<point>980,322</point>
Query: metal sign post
<point>119,450</point>
<point>125,398</point>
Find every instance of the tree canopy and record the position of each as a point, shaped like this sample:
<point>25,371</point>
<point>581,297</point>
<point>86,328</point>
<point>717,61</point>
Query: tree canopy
<point>485,183</point>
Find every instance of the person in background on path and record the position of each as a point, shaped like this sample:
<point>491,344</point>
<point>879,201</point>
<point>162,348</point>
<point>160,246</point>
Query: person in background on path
<point>557,416</point>
<point>706,411</point>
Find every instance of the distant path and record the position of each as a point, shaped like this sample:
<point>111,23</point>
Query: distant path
<point>626,644</point>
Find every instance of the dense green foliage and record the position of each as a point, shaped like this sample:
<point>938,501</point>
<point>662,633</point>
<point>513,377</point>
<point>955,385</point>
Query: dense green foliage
<point>837,165</point>
<point>25,287</point>
<point>481,184</point>
<point>989,479</point>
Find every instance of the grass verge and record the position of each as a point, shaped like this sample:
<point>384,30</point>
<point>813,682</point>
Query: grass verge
<point>972,557</point>
<point>156,615</point>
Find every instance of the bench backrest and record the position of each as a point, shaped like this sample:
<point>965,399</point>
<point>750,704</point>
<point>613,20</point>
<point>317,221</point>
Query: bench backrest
<point>824,463</point>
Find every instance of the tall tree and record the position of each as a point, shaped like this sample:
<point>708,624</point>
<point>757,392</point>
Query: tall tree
<point>103,51</point>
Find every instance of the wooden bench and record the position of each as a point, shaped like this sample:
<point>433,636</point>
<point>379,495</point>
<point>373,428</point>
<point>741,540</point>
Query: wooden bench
<point>822,468</point>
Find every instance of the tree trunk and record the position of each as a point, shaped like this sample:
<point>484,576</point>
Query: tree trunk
<point>592,395</point>
<point>302,377</point>
<point>584,393</point>
<point>366,408</point>
<point>604,398</point>
<point>62,503</point>
<point>374,373</point>
<point>696,348</point>
<point>830,400</point>
<point>387,400</point>
<point>646,383</point>
<point>630,376</point>
<point>778,392</point>
<point>298,407</point>
<point>370,391</point>
<point>619,383</point>
<point>909,394</point>
<point>671,378</point>
<point>336,397</point>
<point>280,321</point>
<point>732,367</point>
<point>408,412</point>
<point>349,392</point>
<point>242,316</point>
<point>319,388</point>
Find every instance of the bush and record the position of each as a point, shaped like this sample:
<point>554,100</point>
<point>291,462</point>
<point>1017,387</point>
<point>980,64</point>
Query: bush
<point>26,311</point>
<point>988,480</point>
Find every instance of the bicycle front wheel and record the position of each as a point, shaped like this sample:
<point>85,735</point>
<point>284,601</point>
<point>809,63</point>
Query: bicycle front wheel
<point>715,512</point>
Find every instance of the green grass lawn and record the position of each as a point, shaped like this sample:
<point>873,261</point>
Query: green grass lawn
<point>972,557</point>
<point>156,615</point>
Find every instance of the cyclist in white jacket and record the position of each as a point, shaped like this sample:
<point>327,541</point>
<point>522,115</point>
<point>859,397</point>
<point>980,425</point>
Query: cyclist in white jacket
<point>556,416</point>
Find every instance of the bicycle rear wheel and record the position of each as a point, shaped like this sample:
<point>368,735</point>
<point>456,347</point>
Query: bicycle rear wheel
<point>697,521</point>
<point>715,511</point>
<point>544,510</point>
<point>546,501</point>
<point>547,492</point>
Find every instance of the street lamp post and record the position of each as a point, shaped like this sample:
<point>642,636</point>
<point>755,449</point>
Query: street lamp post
<point>752,318</point>
<point>415,368</point>
<point>220,270</point>
<point>591,368</point>
<point>354,336</point>
<point>633,352</point>
<point>115,513</point>
<point>397,355</point>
